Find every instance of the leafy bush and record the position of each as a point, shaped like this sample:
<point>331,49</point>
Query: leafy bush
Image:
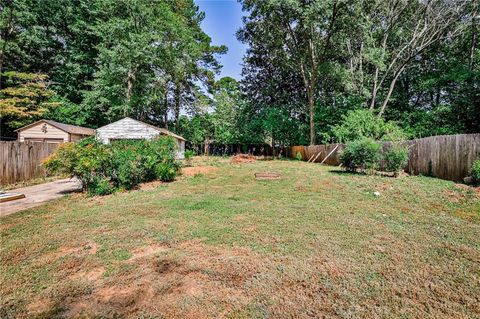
<point>166,172</point>
<point>475,172</point>
<point>362,154</point>
<point>395,158</point>
<point>188,154</point>
<point>299,156</point>
<point>124,164</point>
<point>361,123</point>
<point>99,185</point>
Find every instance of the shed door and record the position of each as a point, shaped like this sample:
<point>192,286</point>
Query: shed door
<point>44,140</point>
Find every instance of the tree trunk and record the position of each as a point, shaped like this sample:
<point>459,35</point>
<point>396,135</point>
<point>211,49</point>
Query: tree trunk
<point>166,108</point>
<point>5,33</point>
<point>178,98</point>
<point>474,38</point>
<point>390,90</point>
<point>374,90</point>
<point>311,108</point>
<point>130,82</point>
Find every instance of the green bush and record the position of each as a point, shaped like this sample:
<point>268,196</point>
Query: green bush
<point>363,154</point>
<point>188,154</point>
<point>395,158</point>
<point>362,123</point>
<point>100,186</point>
<point>166,172</point>
<point>299,156</point>
<point>475,172</point>
<point>103,169</point>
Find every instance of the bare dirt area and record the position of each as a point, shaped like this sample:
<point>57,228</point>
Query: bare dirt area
<point>243,158</point>
<point>195,170</point>
<point>187,281</point>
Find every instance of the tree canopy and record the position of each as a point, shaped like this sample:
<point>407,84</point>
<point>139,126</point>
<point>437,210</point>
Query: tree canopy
<point>314,69</point>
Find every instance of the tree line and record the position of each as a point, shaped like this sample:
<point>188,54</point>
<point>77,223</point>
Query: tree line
<point>100,60</point>
<point>313,68</point>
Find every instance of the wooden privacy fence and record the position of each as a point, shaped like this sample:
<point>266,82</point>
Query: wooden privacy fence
<point>21,161</point>
<point>448,157</point>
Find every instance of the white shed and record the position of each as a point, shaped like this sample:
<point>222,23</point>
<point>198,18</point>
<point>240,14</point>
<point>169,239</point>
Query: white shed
<point>130,129</point>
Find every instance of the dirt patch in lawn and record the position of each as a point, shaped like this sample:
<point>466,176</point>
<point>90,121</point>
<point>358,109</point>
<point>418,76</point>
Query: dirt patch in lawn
<point>243,158</point>
<point>150,185</point>
<point>88,248</point>
<point>191,281</point>
<point>147,251</point>
<point>195,170</point>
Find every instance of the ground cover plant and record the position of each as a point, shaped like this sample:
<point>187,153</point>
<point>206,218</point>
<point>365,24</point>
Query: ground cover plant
<point>102,169</point>
<point>475,171</point>
<point>217,243</point>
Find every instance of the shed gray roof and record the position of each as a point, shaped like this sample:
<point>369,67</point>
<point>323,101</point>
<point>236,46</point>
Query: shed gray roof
<point>161,130</point>
<point>72,129</point>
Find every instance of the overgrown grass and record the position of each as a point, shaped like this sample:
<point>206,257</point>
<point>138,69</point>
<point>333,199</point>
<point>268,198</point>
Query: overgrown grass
<point>315,243</point>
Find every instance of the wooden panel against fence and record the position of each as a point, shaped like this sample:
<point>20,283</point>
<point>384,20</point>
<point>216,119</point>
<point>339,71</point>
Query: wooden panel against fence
<point>21,161</point>
<point>447,156</point>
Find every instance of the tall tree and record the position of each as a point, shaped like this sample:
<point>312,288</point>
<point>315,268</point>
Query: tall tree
<point>296,35</point>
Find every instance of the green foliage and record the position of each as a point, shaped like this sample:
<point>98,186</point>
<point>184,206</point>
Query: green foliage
<point>363,154</point>
<point>299,156</point>
<point>100,186</point>
<point>475,172</point>
<point>24,98</point>
<point>363,123</point>
<point>121,165</point>
<point>188,154</point>
<point>166,172</point>
<point>395,158</point>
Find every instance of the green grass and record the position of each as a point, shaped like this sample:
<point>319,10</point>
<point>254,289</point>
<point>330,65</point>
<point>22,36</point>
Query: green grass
<point>315,243</point>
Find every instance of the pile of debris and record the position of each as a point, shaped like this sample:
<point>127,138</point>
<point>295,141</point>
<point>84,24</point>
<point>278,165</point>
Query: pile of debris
<point>243,158</point>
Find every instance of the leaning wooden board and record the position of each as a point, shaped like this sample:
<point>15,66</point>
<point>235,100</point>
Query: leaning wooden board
<point>6,197</point>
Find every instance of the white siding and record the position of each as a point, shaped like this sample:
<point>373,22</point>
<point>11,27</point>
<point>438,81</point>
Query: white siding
<point>181,149</point>
<point>128,128</point>
<point>35,132</point>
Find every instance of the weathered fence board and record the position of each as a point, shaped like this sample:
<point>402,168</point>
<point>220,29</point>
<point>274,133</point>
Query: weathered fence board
<point>21,161</point>
<point>446,156</point>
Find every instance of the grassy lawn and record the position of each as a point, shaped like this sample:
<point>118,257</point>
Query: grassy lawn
<point>219,244</point>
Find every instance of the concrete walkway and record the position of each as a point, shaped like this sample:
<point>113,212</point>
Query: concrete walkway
<point>39,194</point>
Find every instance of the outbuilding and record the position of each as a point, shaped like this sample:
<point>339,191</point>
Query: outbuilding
<point>130,129</point>
<point>48,131</point>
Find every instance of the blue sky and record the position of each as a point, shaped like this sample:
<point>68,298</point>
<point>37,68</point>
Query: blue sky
<point>222,20</point>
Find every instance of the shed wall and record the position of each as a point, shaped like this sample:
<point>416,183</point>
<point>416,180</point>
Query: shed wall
<point>125,129</point>
<point>37,133</point>
<point>131,129</point>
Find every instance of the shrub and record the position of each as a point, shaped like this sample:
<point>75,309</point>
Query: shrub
<point>361,123</point>
<point>475,172</point>
<point>124,164</point>
<point>99,185</point>
<point>395,158</point>
<point>85,160</point>
<point>362,154</point>
<point>166,172</point>
<point>299,156</point>
<point>188,154</point>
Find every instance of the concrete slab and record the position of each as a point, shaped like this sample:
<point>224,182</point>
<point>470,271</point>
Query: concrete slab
<point>39,194</point>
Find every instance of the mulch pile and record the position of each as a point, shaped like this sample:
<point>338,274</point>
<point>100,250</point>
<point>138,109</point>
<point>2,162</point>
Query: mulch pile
<point>243,158</point>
